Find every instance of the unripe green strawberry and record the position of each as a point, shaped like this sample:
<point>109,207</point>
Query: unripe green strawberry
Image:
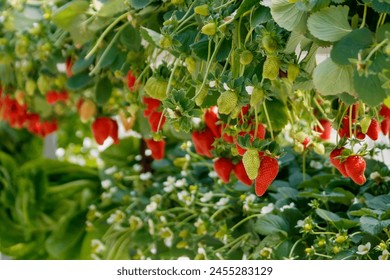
<point>365,124</point>
<point>156,88</point>
<point>43,83</point>
<point>30,87</point>
<point>251,162</point>
<point>165,42</point>
<point>319,148</point>
<point>202,10</point>
<point>191,65</point>
<point>227,101</point>
<point>201,95</point>
<point>269,44</point>
<point>271,68</point>
<point>235,112</point>
<point>246,57</point>
<point>177,2</point>
<point>257,96</point>
<point>209,29</point>
<point>292,72</point>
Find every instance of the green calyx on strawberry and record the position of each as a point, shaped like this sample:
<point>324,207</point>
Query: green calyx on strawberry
<point>268,170</point>
<point>156,88</point>
<point>223,167</point>
<point>271,67</point>
<point>251,161</point>
<point>227,102</point>
<point>335,159</point>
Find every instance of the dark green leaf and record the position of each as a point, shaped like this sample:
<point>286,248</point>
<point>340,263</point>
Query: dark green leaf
<point>380,34</point>
<point>103,90</point>
<point>366,212</point>
<point>350,45</point>
<point>370,225</point>
<point>380,6</point>
<point>82,64</point>
<point>245,6</point>
<point>260,15</point>
<point>381,202</point>
<point>336,220</point>
<point>80,81</point>
<point>131,38</point>
<point>369,88</point>
<point>271,224</point>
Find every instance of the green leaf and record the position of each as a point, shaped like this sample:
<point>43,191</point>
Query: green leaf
<point>111,7</point>
<point>65,16</point>
<point>103,90</point>
<point>260,15</point>
<point>277,112</point>
<point>150,36</point>
<point>369,86</point>
<point>366,212</point>
<point>79,81</point>
<point>245,6</point>
<point>371,225</point>
<point>336,220</point>
<point>330,24</point>
<point>289,16</point>
<point>380,6</point>
<point>381,202</point>
<point>271,224</point>
<point>82,64</point>
<point>340,75</point>
<point>139,4</point>
<point>131,38</point>
<point>381,32</point>
<point>350,45</point>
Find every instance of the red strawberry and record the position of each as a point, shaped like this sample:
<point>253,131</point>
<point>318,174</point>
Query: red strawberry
<point>355,167</point>
<point>211,118</point>
<point>241,151</point>
<point>373,130</point>
<point>385,126</point>
<point>268,171</point>
<point>260,131</point>
<point>151,105</point>
<point>68,67</point>
<point>157,148</point>
<point>336,161</point>
<point>203,142</point>
<point>104,127</point>
<point>228,138</point>
<point>239,171</point>
<point>306,142</point>
<point>48,127</point>
<point>131,81</point>
<point>326,131</point>
<point>51,97</point>
<point>154,121</point>
<point>223,167</point>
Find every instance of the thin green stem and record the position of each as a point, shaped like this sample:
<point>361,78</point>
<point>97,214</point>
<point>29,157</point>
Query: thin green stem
<point>268,121</point>
<point>364,16</point>
<point>244,220</point>
<point>106,31</point>
<point>377,47</point>
<point>293,248</point>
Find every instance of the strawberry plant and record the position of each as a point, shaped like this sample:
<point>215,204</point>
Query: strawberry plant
<point>239,101</point>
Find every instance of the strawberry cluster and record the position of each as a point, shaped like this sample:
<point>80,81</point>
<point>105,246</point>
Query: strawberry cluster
<point>15,112</point>
<point>247,164</point>
<point>349,165</point>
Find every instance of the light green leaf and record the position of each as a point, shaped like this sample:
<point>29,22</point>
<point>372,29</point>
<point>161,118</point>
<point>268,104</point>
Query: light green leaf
<point>289,16</point>
<point>332,79</point>
<point>111,7</point>
<point>151,36</point>
<point>330,24</point>
<point>66,15</point>
<point>139,4</point>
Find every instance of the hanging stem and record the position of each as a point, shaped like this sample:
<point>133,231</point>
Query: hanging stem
<point>106,31</point>
<point>268,121</point>
<point>364,16</point>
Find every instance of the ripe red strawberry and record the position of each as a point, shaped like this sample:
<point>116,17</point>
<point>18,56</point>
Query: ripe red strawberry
<point>228,138</point>
<point>223,167</point>
<point>239,171</point>
<point>157,148</point>
<point>344,129</point>
<point>268,170</point>
<point>104,127</point>
<point>131,81</point>
<point>48,127</point>
<point>326,131</point>
<point>203,142</point>
<point>373,130</point>
<point>154,121</point>
<point>211,118</point>
<point>68,67</point>
<point>151,105</point>
<point>336,161</point>
<point>51,97</point>
<point>260,131</point>
<point>385,124</point>
<point>355,167</point>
